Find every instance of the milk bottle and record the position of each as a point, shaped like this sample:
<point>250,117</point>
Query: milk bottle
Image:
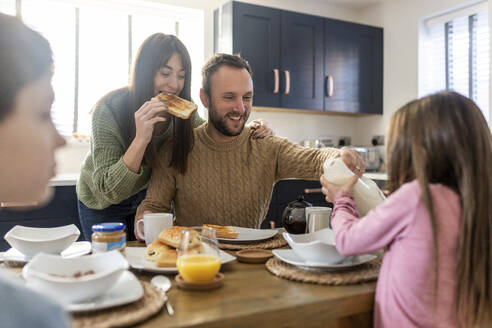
<point>367,194</point>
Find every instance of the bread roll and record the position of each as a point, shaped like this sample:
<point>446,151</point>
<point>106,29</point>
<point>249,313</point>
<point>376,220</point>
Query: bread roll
<point>223,231</point>
<point>177,106</point>
<point>172,237</point>
<point>161,254</point>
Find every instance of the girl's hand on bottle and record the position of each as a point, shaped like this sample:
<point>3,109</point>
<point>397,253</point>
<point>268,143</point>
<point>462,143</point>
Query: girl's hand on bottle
<point>260,129</point>
<point>150,113</point>
<point>330,190</point>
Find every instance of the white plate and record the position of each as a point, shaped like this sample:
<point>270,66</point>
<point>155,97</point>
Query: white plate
<point>289,256</point>
<point>126,290</point>
<point>78,248</point>
<point>248,234</point>
<point>136,259</point>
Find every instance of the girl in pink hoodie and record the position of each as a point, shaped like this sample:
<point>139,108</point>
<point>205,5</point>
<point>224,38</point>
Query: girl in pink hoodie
<point>436,226</point>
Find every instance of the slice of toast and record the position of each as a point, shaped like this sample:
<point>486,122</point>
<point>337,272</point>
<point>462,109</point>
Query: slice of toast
<point>223,231</point>
<point>177,106</point>
<point>161,254</point>
<point>172,237</point>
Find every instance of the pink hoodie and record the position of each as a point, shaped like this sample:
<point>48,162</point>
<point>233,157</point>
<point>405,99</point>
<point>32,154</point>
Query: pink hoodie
<point>404,292</point>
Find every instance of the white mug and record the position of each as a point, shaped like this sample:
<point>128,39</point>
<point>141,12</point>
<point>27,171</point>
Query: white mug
<point>317,218</point>
<point>153,224</point>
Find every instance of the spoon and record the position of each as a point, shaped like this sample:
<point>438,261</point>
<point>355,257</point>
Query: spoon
<point>163,283</point>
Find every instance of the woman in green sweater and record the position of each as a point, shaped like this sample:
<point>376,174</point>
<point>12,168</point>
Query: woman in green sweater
<point>128,127</point>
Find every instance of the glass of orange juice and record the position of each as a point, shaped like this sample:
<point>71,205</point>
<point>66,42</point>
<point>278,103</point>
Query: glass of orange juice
<point>198,263</point>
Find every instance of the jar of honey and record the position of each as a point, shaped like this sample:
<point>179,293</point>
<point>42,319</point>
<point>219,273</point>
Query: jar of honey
<point>108,236</point>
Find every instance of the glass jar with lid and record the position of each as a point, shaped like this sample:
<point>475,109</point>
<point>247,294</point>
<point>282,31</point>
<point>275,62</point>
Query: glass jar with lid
<point>108,236</point>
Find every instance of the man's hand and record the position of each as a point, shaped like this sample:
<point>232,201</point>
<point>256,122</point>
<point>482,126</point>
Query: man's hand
<point>352,159</point>
<point>260,129</point>
<point>137,220</point>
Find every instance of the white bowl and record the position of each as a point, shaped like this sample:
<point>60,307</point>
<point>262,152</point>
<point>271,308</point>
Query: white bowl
<point>30,241</point>
<point>53,275</point>
<point>316,247</point>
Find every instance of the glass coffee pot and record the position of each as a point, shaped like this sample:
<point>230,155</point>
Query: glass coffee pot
<point>294,216</point>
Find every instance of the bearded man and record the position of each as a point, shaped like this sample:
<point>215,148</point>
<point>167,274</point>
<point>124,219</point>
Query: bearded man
<point>230,174</point>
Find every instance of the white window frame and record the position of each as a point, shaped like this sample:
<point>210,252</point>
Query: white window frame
<point>181,15</point>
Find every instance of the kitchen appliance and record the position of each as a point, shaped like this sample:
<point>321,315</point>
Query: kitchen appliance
<point>370,156</point>
<point>294,216</point>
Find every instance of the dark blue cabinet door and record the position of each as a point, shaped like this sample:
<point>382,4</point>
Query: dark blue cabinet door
<point>353,67</point>
<point>256,36</point>
<point>301,58</point>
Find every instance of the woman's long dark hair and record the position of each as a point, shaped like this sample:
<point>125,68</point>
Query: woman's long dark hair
<point>25,55</point>
<point>444,138</point>
<point>153,54</point>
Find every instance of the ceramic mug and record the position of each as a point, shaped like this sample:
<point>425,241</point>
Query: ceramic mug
<point>153,224</point>
<point>317,218</point>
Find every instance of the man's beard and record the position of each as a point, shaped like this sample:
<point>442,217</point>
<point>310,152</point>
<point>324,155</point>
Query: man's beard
<point>220,123</point>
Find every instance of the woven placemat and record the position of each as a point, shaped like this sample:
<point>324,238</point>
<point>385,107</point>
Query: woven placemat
<point>276,241</point>
<point>363,273</point>
<point>125,315</point>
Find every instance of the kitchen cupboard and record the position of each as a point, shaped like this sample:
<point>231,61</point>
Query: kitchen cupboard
<point>353,64</point>
<point>304,61</point>
<point>286,191</point>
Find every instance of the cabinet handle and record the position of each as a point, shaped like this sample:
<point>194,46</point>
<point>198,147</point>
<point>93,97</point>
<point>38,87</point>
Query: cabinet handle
<point>18,204</point>
<point>276,80</point>
<point>329,86</point>
<point>287,82</point>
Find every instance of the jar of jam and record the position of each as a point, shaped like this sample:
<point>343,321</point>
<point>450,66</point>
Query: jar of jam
<point>108,236</point>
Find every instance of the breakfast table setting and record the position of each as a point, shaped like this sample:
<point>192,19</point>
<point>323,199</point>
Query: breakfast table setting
<point>260,287</point>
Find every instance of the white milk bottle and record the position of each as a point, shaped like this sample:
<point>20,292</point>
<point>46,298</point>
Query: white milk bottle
<point>367,194</point>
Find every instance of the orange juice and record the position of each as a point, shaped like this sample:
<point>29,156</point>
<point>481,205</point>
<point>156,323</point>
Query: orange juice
<point>198,267</point>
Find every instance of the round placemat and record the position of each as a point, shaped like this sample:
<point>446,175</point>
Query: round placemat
<point>125,315</point>
<point>363,273</point>
<point>276,241</point>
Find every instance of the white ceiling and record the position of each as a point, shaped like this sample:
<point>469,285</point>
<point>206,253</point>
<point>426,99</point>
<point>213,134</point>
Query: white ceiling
<point>351,4</point>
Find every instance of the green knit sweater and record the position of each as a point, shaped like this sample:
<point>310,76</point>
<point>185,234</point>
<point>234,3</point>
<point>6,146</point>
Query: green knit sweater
<point>230,183</point>
<point>104,178</point>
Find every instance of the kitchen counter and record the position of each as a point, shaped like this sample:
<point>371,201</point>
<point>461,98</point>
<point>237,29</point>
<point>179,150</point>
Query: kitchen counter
<point>376,176</point>
<point>70,179</point>
<point>64,179</point>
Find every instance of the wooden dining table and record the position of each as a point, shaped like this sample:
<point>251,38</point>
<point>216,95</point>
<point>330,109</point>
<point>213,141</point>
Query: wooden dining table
<point>253,297</point>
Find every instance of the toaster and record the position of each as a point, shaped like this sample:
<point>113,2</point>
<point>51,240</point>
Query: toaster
<point>370,156</point>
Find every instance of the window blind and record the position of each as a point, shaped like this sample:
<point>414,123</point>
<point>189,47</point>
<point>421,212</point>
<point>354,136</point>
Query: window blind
<point>454,54</point>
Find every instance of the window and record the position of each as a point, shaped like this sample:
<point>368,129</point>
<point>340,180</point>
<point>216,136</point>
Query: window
<point>94,45</point>
<point>454,54</point>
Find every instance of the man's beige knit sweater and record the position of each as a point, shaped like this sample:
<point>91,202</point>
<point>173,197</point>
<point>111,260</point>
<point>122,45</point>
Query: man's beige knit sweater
<point>229,183</point>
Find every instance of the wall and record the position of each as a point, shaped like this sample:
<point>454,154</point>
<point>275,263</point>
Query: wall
<point>295,127</point>
<point>400,20</point>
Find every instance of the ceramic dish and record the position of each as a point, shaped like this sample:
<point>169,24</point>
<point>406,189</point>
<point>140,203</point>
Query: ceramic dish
<point>31,241</point>
<point>78,248</point>
<point>77,279</point>
<point>318,246</point>
<point>136,259</point>
<point>248,235</point>
<point>126,290</point>
<point>254,255</point>
<point>289,256</point>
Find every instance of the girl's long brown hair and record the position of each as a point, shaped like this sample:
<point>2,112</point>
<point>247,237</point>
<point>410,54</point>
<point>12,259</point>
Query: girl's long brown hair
<point>444,138</point>
<point>152,55</point>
